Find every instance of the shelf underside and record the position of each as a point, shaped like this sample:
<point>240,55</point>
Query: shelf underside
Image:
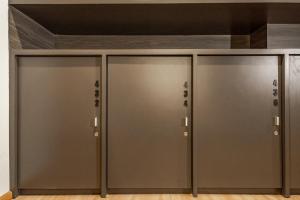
<point>160,19</point>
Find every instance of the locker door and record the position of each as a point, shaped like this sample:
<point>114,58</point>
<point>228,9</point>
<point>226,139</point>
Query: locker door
<point>294,121</point>
<point>57,146</point>
<point>235,105</point>
<point>147,147</point>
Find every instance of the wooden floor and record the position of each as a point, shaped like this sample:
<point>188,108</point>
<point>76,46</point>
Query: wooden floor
<point>161,197</point>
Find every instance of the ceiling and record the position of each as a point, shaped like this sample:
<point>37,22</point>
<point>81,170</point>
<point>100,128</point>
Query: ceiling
<point>160,19</point>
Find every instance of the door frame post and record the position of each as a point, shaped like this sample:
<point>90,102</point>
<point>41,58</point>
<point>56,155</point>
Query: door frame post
<point>194,135</point>
<point>285,83</point>
<point>13,124</point>
<point>103,126</point>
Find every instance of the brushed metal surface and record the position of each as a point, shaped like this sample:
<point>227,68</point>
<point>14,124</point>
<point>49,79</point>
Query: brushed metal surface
<point>294,120</point>
<point>146,143</point>
<point>233,120</point>
<point>57,147</point>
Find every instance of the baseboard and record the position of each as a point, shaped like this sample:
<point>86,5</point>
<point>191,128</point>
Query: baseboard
<point>148,191</point>
<point>239,191</point>
<point>295,191</point>
<point>6,196</point>
<point>58,191</point>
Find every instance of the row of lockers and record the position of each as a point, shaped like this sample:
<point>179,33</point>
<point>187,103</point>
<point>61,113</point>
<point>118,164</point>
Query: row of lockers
<point>156,107</point>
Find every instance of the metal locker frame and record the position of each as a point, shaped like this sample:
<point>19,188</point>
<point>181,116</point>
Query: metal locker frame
<point>186,52</point>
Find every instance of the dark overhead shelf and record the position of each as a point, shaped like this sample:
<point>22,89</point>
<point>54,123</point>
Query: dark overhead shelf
<point>145,1</point>
<point>158,19</point>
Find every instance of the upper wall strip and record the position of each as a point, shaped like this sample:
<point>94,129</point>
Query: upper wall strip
<point>283,36</point>
<point>151,42</point>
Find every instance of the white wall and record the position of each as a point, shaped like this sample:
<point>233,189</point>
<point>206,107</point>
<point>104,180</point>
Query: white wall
<point>4,105</point>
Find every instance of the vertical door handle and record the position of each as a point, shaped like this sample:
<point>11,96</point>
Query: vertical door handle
<point>96,122</point>
<point>186,121</point>
<point>186,124</point>
<point>277,124</point>
<point>96,132</point>
<point>277,121</point>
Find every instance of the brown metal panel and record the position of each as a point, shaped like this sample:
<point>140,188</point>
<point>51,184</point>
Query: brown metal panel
<point>233,120</point>
<point>146,143</point>
<point>57,146</point>
<point>294,120</point>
